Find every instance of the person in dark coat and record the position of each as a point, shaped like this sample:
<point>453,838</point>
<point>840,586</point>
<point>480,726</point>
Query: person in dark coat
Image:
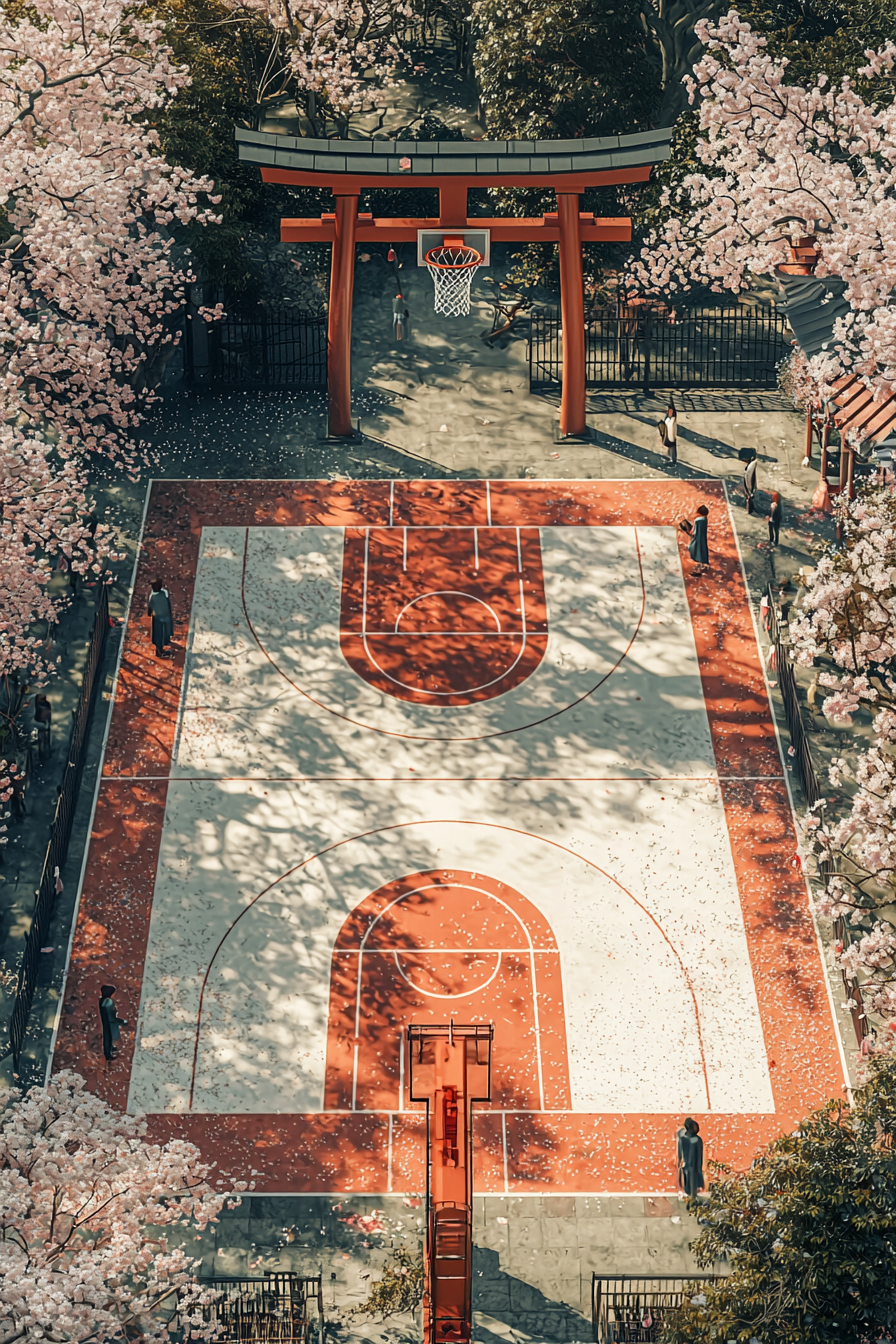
<point>774,519</point>
<point>690,1158</point>
<point>43,717</point>
<point>159,608</point>
<point>698,546</point>
<point>110,1020</point>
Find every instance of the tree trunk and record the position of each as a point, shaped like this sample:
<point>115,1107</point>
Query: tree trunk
<point>669,25</point>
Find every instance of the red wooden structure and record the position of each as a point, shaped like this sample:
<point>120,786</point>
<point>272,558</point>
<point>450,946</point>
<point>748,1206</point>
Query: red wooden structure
<point>348,167</point>
<point>450,1068</point>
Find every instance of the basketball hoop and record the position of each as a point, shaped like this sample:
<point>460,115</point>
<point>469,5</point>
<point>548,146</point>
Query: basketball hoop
<point>452,267</point>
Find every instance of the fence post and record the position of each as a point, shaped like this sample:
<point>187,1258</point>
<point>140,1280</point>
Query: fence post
<point>648,349</point>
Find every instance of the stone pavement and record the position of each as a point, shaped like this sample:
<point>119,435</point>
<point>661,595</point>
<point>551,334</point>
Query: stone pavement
<point>532,1262</point>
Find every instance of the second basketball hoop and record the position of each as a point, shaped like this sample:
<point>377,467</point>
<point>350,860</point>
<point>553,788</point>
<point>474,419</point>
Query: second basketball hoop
<point>452,260</point>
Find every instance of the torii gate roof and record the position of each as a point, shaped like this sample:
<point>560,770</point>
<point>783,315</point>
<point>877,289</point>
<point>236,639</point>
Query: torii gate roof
<point>569,164</point>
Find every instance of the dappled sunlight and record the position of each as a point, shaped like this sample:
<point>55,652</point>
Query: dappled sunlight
<point>292,862</point>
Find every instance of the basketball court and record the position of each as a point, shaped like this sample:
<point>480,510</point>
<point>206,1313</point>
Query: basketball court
<point>489,750</point>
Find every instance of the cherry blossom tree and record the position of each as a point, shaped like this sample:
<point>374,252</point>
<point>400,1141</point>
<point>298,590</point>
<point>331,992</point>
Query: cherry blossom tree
<point>849,618</point>
<point>785,163</point>
<point>87,1207</point>
<point>90,276</point>
<point>339,53</point>
<point>849,612</point>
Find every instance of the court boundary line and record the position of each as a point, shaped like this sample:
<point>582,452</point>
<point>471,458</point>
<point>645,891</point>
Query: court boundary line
<point>554,504</point>
<point>446,779</point>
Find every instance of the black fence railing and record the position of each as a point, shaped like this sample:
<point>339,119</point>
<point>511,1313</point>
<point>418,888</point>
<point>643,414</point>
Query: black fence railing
<point>802,756</point>
<point>60,830</point>
<point>632,1307</point>
<point>276,1309</point>
<point>266,350</point>
<point>647,347</point>
<point>805,772</point>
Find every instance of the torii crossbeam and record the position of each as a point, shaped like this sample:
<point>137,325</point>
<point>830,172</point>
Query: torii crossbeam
<point>347,167</point>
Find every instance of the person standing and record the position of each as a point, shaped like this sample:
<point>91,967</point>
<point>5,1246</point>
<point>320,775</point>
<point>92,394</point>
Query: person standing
<point>671,426</point>
<point>159,608</point>
<point>689,1148</point>
<point>698,546</point>
<point>43,717</point>
<point>399,313</point>
<point>774,519</point>
<point>111,1022</point>
<point>750,484</point>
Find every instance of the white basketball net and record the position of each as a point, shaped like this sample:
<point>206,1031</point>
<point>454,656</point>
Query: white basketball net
<point>452,270</point>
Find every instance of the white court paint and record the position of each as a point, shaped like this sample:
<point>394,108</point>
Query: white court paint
<point>265,777</point>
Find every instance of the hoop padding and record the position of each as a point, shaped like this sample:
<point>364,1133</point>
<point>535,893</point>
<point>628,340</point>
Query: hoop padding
<point>452,270</point>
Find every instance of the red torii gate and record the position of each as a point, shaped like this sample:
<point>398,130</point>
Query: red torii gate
<point>347,167</point>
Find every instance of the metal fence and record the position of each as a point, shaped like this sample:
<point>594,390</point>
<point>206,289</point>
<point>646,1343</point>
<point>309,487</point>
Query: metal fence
<point>805,771</point>
<point>276,1309</point>
<point>658,347</point>
<point>635,1308</point>
<point>60,830</point>
<point>276,349</point>
<point>802,756</point>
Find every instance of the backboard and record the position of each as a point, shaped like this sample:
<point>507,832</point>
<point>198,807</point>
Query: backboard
<point>430,238</point>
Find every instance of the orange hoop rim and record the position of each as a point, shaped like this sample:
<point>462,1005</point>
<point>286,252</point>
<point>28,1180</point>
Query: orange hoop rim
<point>475,259</point>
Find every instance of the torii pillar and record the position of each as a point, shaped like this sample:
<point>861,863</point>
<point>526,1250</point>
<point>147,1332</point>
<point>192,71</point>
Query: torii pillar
<point>339,316</point>
<point>572,311</point>
<point>348,167</point>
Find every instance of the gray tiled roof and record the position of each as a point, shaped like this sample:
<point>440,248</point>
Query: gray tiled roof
<point>439,158</point>
<point>812,306</point>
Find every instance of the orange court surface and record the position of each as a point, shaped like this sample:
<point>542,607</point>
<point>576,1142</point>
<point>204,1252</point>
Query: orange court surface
<point>486,750</point>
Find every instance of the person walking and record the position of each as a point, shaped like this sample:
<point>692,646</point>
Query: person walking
<point>399,314</point>
<point>111,1022</point>
<point>671,438</point>
<point>750,484</point>
<point>159,608</point>
<point>689,1151</point>
<point>774,519</point>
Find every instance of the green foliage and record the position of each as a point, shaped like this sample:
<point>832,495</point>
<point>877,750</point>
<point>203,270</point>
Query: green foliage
<point>825,35</point>
<point>225,53</point>
<point>551,69</point>
<point>809,1232</point>
<point>401,1287</point>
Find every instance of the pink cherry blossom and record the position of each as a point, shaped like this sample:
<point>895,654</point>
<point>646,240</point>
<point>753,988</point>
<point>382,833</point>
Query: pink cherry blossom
<point>87,1207</point>
<point>787,163</point>
<point>91,280</point>
<point>341,51</point>
<point>848,619</point>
